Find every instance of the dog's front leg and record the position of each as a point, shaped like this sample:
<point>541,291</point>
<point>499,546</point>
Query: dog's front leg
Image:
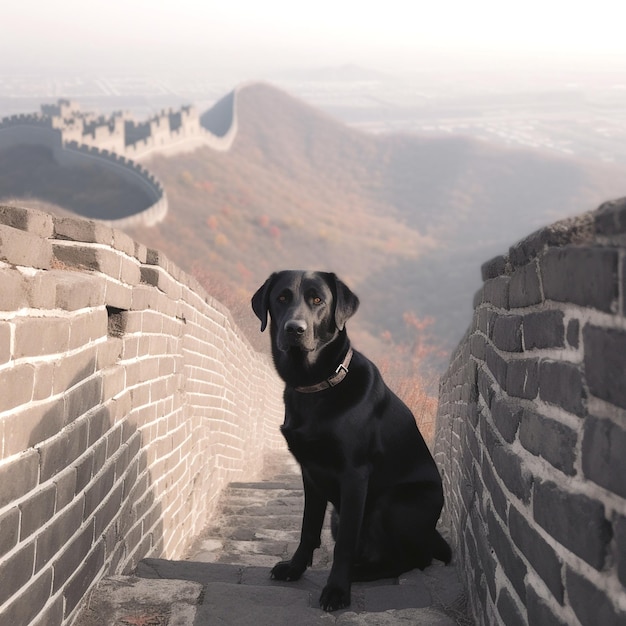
<point>310,536</point>
<point>336,593</point>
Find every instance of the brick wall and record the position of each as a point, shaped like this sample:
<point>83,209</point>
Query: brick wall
<point>531,435</point>
<point>128,399</point>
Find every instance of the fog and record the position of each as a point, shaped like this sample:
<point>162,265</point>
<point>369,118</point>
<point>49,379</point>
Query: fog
<point>249,38</point>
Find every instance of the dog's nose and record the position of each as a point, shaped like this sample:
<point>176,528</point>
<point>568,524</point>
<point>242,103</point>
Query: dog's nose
<point>295,327</point>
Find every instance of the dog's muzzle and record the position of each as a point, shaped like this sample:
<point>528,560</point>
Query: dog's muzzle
<point>295,332</point>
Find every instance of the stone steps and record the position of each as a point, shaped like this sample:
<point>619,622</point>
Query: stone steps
<point>228,569</point>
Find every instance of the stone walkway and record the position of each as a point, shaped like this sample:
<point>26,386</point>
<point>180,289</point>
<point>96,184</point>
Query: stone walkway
<point>225,580</point>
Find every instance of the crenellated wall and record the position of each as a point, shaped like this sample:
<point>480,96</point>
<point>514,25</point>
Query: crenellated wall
<point>128,399</point>
<point>120,144</point>
<point>531,432</point>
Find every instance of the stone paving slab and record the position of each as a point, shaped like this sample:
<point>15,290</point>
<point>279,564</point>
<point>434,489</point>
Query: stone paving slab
<point>228,570</point>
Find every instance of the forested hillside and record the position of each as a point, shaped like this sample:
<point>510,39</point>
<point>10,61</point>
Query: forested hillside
<point>405,220</point>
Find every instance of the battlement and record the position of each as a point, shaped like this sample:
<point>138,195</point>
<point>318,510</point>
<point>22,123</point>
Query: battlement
<point>118,142</point>
<point>129,400</point>
<point>531,429</point>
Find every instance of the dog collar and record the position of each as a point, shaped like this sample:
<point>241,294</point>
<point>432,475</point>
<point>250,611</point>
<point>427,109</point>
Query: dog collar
<point>340,373</point>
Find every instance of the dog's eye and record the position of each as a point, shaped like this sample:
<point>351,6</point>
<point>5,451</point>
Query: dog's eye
<point>317,300</point>
<point>282,298</point>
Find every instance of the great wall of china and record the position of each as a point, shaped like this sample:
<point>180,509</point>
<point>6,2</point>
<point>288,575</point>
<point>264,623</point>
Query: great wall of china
<point>531,430</point>
<point>129,399</point>
<point>121,144</point>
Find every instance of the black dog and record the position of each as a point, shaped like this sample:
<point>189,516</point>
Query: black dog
<point>357,443</point>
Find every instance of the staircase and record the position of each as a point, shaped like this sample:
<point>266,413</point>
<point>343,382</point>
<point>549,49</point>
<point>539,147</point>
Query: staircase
<point>226,577</point>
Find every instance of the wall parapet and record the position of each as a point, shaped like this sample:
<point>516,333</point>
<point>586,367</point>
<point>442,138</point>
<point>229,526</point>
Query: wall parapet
<point>118,143</point>
<point>531,432</point>
<point>129,400</point>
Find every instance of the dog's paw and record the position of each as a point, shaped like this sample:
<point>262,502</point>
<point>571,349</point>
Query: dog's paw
<point>285,570</point>
<point>335,597</point>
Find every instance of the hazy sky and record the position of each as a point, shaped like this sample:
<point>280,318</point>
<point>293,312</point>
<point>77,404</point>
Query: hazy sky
<point>286,33</point>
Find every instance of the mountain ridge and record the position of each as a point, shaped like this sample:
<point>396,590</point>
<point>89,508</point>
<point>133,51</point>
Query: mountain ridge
<point>406,220</point>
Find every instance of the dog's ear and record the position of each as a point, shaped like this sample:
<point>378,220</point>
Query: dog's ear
<point>260,300</point>
<point>346,302</point>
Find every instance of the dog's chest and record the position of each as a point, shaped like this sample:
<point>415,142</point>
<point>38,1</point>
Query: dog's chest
<point>312,443</point>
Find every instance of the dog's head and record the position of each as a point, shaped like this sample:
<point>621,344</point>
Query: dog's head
<point>307,309</point>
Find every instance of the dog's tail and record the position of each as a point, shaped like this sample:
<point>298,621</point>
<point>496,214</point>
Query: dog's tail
<point>441,551</point>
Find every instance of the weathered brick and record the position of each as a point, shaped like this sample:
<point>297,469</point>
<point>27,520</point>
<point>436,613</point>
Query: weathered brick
<point>507,333</point>
<point>98,491</point>
<point>522,378</point>
<point>42,388</point>
<point>85,576</point>
<point>82,398</point>
<point>52,614</point>
<point>72,369</point>
<point>18,477</point>
<point>27,426</point>
<point>525,288</point>
<point>573,332</point>
<point>17,386</point>
<point>61,451</point>
<point>537,551</point>
<point>37,511</point>
<point>507,465</point>
<point>9,530</point>
<point>162,281</point>
<point>66,487</point>
<point>494,267</point>
<point>496,292</point>
<point>38,336</point>
<point>18,247</point>
<point>604,454</point>
<point>109,509</point>
<point>498,498</point>
<point>574,520</point>
<point>592,605</point>
<point>73,554</point>
<point>591,276</point>
<point>77,290</point>
<point>539,612</point>
<point>484,550</point>
<point>605,363</point>
<point>28,605</point>
<point>84,471</point>
<point>544,329</point>
<point>508,610</point>
<point>33,221</point>
<point>497,365</point>
<point>15,571</point>
<point>89,258</point>
<point>130,272</point>
<point>123,242</point>
<point>14,290</point>
<point>506,415</point>
<point>478,346</point>
<point>52,540</point>
<point>619,531</point>
<point>79,229</point>
<point>550,439</point>
<point>560,383</point>
<point>88,327</point>
<point>5,342</point>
